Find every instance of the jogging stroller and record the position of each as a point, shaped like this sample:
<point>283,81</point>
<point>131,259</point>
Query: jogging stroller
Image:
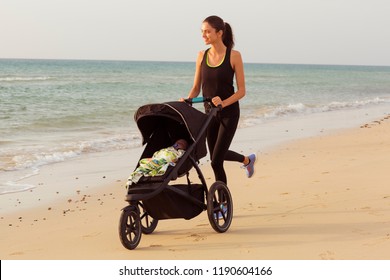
<point>155,198</point>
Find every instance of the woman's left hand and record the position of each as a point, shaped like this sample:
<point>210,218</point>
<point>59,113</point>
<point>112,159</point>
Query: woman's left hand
<point>217,101</point>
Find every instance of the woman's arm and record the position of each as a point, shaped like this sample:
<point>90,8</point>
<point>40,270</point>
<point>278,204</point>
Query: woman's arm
<point>195,90</point>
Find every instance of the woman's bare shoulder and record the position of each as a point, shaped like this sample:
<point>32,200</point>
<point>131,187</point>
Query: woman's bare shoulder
<point>235,58</point>
<point>200,56</point>
<point>201,53</point>
<point>235,54</point>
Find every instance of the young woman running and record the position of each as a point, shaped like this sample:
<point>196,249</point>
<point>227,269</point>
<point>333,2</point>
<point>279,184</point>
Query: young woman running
<point>214,74</point>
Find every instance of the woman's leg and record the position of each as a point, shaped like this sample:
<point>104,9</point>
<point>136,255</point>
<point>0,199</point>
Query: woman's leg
<point>219,137</point>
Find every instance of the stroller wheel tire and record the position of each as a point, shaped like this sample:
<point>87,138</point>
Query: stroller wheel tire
<point>130,227</point>
<point>219,207</point>
<point>148,224</point>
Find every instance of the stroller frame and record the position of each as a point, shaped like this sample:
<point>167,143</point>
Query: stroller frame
<point>153,198</point>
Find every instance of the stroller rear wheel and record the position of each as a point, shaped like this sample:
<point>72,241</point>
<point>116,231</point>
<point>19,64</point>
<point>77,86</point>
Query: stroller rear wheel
<point>219,207</point>
<point>130,227</point>
<point>148,224</point>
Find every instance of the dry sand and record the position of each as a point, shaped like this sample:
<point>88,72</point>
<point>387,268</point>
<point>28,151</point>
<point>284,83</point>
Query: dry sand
<point>325,197</point>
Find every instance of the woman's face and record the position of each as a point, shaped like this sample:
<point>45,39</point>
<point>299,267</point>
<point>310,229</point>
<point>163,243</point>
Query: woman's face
<point>209,34</point>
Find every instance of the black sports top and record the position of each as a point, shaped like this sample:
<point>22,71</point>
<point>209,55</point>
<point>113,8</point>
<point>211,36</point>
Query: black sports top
<point>218,81</point>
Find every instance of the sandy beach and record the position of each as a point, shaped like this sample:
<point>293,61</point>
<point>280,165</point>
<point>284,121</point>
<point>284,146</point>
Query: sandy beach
<point>317,198</point>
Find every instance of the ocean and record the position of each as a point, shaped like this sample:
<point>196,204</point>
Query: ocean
<point>57,110</point>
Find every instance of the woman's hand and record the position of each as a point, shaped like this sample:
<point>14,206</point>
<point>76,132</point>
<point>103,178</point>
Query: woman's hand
<point>217,101</point>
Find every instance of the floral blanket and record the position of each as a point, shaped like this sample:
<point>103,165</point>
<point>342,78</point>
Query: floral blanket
<point>157,165</point>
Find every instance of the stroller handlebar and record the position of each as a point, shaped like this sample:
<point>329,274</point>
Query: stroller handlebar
<point>197,100</point>
<point>201,100</point>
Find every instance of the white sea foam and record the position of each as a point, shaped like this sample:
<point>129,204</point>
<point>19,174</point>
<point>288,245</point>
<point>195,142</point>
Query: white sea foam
<point>13,187</point>
<point>22,162</point>
<point>291,110</point>
<point>21,79</point>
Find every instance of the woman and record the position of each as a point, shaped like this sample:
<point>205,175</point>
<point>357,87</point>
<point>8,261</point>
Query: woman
<point>215,70</point>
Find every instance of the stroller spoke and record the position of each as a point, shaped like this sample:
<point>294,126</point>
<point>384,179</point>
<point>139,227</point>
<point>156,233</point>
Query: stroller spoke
<point>131,228</point>
<point>145,216</point>
<point>148,224</point>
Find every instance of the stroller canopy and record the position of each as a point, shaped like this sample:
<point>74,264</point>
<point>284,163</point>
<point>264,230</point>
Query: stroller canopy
<point>162,124</point>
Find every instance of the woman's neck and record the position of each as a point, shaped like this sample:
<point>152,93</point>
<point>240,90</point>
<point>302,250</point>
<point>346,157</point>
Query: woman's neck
<point>218,48</point>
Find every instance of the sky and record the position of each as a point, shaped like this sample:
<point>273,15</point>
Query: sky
<point>346,32</point>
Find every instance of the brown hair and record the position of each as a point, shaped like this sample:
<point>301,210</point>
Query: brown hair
<point>218,24</point>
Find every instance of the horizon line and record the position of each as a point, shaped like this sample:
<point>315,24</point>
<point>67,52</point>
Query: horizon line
<point>184,61</point>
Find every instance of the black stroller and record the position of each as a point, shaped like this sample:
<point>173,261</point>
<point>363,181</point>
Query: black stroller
<point>153,198</point>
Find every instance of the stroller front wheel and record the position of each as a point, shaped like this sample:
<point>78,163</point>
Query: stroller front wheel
<point>219,207</point>
<point>130,230</point>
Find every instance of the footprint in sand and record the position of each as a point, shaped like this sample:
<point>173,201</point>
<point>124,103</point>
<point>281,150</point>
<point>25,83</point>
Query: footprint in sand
<point>378,241</point>
<point>371,211</point>
<point>92,234</point>
<point>16,254</point>
<point>177,250</point>
<point>328,255</point>
<point>198,237</point>
<point>202,225</point>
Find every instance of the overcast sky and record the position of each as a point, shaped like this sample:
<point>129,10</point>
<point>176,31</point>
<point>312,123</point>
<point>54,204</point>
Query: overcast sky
<point>354,32</point>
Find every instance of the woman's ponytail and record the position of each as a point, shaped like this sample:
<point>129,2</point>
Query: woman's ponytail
<point>228,38</point>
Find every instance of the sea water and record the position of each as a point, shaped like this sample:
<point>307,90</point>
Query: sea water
<point>57,110</point>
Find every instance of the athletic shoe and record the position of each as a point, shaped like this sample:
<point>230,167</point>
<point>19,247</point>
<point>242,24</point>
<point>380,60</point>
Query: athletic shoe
<point>250,167</point>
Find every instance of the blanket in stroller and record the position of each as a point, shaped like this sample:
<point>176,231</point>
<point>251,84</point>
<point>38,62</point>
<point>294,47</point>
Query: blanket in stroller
<point>158,164</point>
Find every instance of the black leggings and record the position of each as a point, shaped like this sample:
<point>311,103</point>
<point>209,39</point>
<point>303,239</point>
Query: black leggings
<point>220,134</point>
